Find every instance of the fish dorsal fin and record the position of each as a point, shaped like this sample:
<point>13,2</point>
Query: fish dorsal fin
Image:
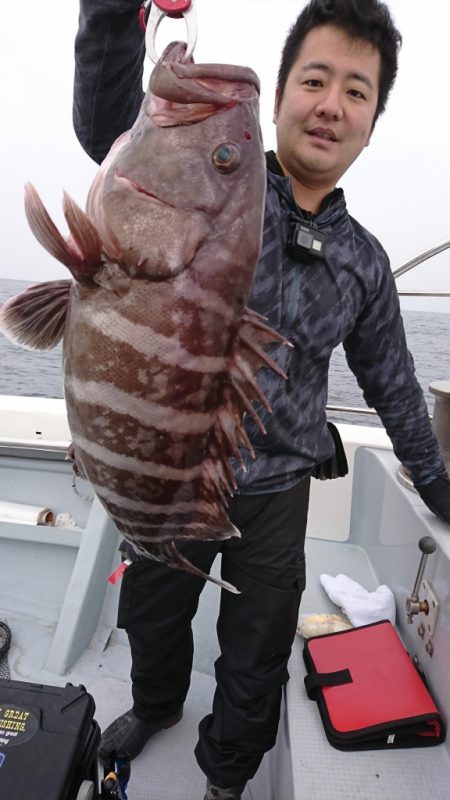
<point>36,318</point>
<point>229,432</point>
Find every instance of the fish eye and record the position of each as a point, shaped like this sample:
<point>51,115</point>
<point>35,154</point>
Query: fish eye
<point>226,157</point>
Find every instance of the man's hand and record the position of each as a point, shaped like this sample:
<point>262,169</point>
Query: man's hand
<point>436,495</point>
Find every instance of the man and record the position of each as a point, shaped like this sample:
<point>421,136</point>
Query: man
<point>338,66</point>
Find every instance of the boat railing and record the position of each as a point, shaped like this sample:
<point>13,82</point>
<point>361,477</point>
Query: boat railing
<point>351,410</point>
<point>397,273</point>
<point>414,262</point>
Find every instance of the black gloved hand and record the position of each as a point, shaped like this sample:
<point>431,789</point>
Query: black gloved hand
<point>436,495</point>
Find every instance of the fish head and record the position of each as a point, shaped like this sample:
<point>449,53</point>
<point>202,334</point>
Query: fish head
<point>191,164</point>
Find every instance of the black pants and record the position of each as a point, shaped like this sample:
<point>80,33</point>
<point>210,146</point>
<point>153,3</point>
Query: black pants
<point>255,628</point>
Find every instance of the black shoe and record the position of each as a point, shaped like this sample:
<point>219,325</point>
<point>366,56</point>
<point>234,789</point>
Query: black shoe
<point>127,735</point>
<point>216,793</point>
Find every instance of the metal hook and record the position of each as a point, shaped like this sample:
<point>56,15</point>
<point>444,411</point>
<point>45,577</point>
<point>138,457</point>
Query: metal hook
<point>174,9</point>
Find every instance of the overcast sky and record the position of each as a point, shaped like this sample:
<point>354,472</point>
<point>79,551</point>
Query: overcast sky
<point>399,188</point>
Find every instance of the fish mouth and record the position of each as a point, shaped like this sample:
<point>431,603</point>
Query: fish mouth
<point>132,186</point>
<point>172,61</point>
<point>184,93</point>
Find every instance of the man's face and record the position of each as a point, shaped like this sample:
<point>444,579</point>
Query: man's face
<point>325,117</point>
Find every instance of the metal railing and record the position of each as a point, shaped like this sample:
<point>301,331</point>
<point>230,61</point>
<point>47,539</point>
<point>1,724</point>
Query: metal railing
<point>397,273</point>
<point>414,262</point>
<point>351,410</point>
<point>424,294</point>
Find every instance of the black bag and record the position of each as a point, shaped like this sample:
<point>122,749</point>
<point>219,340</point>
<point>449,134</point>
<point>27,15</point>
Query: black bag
<point>369,693</point>
<point>48,741</point>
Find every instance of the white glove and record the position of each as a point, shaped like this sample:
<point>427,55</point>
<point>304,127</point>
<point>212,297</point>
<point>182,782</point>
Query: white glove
<point>359,605</point>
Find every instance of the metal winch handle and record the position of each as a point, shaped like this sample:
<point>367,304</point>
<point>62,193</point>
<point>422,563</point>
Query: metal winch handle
<point>413,605</point>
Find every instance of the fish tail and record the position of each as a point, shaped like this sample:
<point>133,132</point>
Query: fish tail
<point>36,318</point>
<point>167,553</point>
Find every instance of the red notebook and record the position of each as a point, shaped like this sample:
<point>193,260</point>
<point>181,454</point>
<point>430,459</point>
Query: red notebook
<point>369,693</point>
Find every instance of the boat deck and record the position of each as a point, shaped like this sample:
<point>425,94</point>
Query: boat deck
<point>167,769</point>
<point>52,594</point>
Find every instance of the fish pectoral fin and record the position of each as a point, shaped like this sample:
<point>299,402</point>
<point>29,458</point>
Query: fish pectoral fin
<point>81,252</point>
<point>36,318</point>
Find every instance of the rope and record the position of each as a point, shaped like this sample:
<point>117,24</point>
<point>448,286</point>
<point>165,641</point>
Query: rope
<point>5,643</point>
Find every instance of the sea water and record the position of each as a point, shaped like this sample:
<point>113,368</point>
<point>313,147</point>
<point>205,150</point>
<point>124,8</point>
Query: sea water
<point>39,374</point>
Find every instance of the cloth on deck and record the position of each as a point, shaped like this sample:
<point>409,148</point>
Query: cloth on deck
<point>360,606</point>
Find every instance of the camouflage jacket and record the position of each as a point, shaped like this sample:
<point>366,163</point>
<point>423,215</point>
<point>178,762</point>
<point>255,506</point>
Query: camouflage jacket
<point>347,296</point>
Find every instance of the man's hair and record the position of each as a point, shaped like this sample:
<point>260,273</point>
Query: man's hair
<point>369,20</point>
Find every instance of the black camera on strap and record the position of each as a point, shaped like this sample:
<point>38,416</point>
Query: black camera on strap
<point>305,239</point>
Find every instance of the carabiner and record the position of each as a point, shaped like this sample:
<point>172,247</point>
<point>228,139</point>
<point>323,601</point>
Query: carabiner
<point>175,9</point>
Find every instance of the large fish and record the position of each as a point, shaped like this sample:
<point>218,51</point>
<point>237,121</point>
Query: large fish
<point>160,350</point>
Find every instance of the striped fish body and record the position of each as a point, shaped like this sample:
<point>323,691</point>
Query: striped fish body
<point>145,402</point>
<point>160,350</point>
